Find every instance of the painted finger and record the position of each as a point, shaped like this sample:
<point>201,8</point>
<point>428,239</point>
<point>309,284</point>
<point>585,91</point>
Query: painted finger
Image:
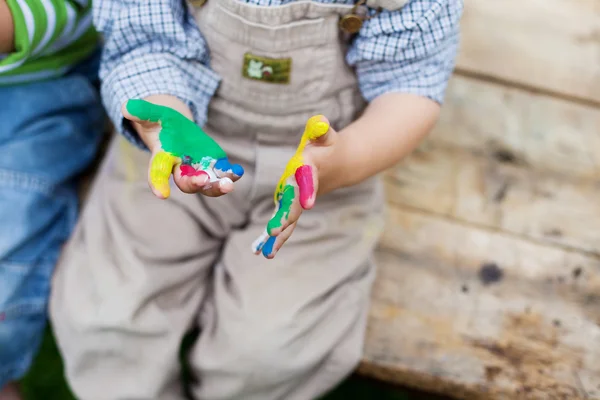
<point>307,182</point>
<point>161,167</point>
<point>260,242</point>
<point>293,216</point>
<point>190,180</point>
<point>317,127</point>
<point>141,110</point>
<point>224,169</point>
<point>217,188</point>
<point>274,243</point>
<point>280,220</point>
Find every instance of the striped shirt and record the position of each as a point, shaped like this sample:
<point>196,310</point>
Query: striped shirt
<point>155,47</point>
<point>50,36</point>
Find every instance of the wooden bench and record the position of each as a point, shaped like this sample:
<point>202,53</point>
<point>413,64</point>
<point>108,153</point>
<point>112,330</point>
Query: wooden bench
<point>489,269</point>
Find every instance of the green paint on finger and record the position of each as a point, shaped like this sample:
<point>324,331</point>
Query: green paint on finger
<point>146,111</point>
<point>179,135</point>
<point>285,204</point>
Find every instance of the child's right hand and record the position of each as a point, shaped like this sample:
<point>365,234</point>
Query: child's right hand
<point>180,147</point>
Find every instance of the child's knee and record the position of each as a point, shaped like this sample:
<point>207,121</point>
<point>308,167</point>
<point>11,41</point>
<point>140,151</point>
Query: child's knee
<point>267,355</point>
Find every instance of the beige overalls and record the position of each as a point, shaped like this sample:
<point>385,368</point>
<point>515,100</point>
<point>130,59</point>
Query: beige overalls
<point>139,272</point>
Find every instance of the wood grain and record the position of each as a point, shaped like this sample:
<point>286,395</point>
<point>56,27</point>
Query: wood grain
<point>500,195</point>
<point>478,314</point>
<point>535,130</point>
<point>553,45</point>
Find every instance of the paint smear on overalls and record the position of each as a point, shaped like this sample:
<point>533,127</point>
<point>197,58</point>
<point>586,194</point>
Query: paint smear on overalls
<point>182,141</point>
<point>297,180</point>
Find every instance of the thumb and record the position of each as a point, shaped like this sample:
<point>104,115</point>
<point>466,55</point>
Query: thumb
<point>146,119</point>
<point>137,110</point>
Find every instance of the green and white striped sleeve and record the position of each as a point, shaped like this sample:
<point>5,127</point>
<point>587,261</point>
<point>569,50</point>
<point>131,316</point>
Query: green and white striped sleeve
<point>50,36</point>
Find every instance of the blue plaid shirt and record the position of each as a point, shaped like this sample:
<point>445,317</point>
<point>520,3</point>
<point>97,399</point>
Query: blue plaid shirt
<point>155,47</point>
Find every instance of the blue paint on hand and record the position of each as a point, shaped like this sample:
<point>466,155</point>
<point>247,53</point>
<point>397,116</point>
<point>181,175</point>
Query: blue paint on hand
<point>268,247</point>
<point>224,165</point>
<point>237,169</point>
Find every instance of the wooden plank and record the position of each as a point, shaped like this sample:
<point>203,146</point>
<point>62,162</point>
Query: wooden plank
<point>553,45</point>
<point>478,314</point>
<point>530,129</point>
<point>500,195</point>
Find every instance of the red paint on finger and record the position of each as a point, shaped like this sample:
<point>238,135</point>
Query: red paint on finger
<point>188,170</point>
<point>306,186</point>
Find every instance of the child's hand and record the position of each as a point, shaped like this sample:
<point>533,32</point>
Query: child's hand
<point>180,147</point>
<point>310,171</point>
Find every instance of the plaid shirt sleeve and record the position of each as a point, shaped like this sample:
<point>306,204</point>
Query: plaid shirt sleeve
<point>411,50</point>
<point>152,47</point>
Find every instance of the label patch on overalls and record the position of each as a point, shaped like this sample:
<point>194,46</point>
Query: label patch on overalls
<point>272,70</point>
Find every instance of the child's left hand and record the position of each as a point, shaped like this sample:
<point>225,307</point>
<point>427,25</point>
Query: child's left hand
<point>309,172</point>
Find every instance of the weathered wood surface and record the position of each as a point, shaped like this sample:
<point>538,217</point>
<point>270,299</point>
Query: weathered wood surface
<point>553,45</point>
<point>533,130</point>
<point>489,278</point>
<point>501,195</point>
<point>480,314</point>
<point>512,161</point>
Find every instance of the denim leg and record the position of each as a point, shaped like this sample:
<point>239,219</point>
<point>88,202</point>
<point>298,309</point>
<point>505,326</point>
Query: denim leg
<point>49,133</point>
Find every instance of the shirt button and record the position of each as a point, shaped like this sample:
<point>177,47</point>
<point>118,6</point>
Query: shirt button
<point>351,23</point>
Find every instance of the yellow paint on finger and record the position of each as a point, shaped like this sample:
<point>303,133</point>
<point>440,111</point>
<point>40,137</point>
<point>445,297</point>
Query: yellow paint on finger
<point>315,128</point>
<point>160,172</point>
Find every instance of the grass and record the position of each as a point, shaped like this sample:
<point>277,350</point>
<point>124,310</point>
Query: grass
<point>45,381</point>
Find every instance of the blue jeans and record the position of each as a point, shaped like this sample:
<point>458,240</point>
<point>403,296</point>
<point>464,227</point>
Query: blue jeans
<point>49,132</point>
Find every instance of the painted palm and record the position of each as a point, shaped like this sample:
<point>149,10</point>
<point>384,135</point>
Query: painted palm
<point>182,142</point>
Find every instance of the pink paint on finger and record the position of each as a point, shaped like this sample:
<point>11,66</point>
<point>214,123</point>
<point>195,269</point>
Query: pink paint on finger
<point>306,186</point>
<point>188,170</point>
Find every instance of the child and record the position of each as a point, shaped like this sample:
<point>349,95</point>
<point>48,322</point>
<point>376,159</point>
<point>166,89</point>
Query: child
<point>51,119</point>
<point>140,271</point>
